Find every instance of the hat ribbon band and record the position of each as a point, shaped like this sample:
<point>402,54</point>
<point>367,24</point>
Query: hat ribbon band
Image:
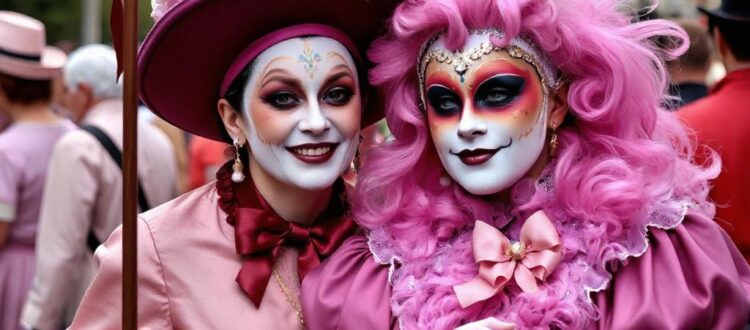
<point>21,56</point>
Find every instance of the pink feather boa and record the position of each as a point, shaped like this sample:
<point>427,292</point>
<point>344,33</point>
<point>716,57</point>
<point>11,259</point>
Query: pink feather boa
<point>161,7</point>
<point>564,300</point>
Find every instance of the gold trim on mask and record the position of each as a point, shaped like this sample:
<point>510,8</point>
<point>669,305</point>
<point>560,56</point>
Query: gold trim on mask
<point>463,60</point>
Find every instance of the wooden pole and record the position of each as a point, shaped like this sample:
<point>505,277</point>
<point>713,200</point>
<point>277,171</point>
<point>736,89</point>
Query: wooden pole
<point>130,169</point>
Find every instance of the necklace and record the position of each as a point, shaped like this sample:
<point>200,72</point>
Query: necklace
<point>289,297</point>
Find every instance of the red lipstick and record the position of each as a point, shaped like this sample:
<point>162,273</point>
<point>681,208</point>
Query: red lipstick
<point>476,156</point>
<point>313,153</point>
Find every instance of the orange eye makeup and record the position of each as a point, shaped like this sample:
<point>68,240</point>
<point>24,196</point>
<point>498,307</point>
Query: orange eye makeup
<point>498,89</point>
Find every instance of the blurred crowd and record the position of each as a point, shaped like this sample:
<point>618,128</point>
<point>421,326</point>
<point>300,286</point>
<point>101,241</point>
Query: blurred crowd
<point>61,135</point>
<point>61,119</point>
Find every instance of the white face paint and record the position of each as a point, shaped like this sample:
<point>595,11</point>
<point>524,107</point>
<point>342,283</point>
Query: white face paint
<point>488,122</point>
<point>304,109</point>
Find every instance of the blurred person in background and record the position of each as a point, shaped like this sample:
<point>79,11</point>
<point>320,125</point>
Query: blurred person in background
<point>58,96</point>
<point>58,85</point>
<point>82,203</point>
<point>179,140</point>
<point>179,148</point>
<point>26,70</point>
<point>722,119</point>
<point>676,9</point>
<point>688,73</point>
<point>206,157</point>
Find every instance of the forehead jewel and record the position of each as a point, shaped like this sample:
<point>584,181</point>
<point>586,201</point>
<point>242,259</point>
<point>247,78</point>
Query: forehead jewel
<point>463,59</point>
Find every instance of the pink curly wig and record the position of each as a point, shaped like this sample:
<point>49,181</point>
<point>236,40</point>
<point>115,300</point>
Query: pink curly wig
<point>620,154</point>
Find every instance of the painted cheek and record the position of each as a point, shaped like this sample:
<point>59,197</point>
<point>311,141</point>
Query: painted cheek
<point>272,126</point>
<point>440,125</point>
<point>441,134</point>
<point>346,119</point>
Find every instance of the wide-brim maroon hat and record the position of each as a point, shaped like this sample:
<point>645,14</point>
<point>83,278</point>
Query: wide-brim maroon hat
<point>194,50</point>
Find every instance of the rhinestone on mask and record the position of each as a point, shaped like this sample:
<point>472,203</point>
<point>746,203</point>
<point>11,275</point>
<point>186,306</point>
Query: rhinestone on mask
<point>462,61</point>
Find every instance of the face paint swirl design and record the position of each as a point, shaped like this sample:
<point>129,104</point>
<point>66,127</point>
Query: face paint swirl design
<point>309,58</point>
<point>303,115</point>
<point>487,119</point>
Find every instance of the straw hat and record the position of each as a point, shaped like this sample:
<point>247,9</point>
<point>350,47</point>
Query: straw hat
<point>198,47</point>
<point>23,48</point>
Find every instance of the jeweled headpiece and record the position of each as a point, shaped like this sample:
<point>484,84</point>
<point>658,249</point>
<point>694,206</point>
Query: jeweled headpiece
<point>462,60</point>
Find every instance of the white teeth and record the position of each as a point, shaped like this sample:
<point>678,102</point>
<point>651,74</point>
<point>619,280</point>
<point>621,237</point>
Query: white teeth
<point>313,151</point>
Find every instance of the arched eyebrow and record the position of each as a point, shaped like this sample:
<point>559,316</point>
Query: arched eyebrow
<point>496,67</point>
<point>337,55</point>
<point>335,74</point>
<point>267,71</point>
<point>446,80</point>
<point>281,75</point>
<point>338,73</point>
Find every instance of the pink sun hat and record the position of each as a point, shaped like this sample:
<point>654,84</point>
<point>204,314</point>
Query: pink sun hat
<point>198,47</point>
<point>23,48</point>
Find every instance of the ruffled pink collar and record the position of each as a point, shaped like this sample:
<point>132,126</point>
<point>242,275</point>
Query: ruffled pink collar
<point>563,300</point>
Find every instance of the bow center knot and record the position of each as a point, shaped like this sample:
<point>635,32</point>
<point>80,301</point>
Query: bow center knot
<point>516,251</point>
<point>527,262</point>
<point>298,235</point>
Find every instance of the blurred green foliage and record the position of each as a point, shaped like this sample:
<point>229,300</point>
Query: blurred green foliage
<point>63,17</point>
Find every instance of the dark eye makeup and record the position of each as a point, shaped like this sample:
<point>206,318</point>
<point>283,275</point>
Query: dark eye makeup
<point>338,96</point>
<point>443,101</point>
<point>282,100</point>
<point>499,91</point>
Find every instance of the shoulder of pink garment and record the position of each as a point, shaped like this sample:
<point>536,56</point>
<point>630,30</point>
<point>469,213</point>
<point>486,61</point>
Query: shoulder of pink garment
<point>527,261</point>
<point>694,271</point>
<point>349,290</point>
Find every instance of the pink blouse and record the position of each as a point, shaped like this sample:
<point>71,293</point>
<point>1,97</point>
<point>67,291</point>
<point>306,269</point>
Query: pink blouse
<point>187,264</point>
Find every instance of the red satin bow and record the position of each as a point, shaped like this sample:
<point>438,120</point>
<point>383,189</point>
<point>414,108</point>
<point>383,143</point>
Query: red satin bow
<point>532,258</point>
<point>260,234</point>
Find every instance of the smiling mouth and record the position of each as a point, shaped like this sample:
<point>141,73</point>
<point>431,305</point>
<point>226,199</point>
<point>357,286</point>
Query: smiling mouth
<point>479,156</point>
<point>313,153</point>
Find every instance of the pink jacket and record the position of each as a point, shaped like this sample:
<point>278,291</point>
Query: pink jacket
<point>187,266</point>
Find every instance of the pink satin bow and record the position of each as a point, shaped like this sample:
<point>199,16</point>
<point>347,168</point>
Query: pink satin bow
<point>533,257</point>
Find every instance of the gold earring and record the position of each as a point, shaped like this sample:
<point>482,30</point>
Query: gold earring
<point>237,174</point>
<point>553,142</point>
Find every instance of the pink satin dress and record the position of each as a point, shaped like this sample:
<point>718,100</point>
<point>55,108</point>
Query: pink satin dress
<point>691,277</point>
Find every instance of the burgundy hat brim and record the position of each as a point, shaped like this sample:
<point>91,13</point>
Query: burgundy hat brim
<point>183,60</point>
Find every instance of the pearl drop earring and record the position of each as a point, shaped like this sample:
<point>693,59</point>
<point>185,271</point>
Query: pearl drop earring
<point>237,174</point>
